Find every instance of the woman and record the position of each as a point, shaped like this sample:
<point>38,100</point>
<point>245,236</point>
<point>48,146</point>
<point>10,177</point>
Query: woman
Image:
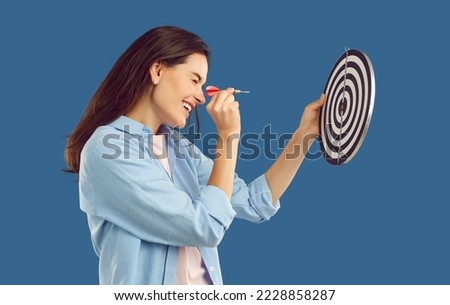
<point>156,206</point>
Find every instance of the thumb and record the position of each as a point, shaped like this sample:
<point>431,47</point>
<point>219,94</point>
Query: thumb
<point>319,103</point>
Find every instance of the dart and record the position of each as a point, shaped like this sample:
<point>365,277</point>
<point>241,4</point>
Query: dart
<point>211,90</point>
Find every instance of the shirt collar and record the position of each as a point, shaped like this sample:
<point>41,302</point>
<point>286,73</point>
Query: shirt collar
<point>130,126</point>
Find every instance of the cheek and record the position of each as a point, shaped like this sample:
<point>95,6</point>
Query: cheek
<point>176,88</point>
<point>165,92</point>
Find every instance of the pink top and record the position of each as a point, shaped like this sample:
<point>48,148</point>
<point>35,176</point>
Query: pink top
<point>191,270</point>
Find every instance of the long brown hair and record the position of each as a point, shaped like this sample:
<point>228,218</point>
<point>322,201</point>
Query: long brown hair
<point>129,79</point>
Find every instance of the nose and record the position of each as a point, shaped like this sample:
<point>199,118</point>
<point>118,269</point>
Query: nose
<point>199,96</point>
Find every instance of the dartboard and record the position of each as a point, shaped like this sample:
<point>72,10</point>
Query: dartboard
<point>345,117</point>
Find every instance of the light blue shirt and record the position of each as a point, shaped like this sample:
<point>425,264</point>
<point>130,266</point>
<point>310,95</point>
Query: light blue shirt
<point>138,215</point>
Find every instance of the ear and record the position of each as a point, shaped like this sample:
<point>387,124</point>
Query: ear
<point>155,71</point>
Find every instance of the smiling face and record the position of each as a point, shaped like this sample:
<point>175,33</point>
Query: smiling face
<point>178,90</point>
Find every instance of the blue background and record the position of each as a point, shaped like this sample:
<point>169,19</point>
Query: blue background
<point>381,219</point>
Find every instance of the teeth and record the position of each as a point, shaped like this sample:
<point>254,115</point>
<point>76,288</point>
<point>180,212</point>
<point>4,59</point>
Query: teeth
<point>187,106</point>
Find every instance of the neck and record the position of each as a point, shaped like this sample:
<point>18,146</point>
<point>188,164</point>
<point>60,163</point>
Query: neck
<point>142,113</point>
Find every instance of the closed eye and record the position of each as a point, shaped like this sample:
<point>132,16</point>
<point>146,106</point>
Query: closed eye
<point>196,78</point>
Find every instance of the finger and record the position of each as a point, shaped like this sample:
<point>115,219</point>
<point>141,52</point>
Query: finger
<point>227,96</point>
<point>318,103</point>
<point>323,98</point>
<point>229,99</point>
<point>217,98</point>
<point>224,94</point>
<point>230,90</point>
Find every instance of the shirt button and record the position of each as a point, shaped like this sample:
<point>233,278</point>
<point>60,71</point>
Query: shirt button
<point>211,269</point>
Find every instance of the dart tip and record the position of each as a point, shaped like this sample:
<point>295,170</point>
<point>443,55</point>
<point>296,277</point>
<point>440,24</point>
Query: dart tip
<point>241,91</point>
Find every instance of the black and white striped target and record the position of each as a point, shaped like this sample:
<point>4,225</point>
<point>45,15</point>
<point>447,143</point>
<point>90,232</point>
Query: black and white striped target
<point>345,117</point>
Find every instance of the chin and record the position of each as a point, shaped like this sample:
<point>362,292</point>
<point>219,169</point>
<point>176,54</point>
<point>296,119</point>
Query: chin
<point>180,124</point>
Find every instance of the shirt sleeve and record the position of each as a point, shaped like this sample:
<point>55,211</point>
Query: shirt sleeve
<point>133,192</point>
<point>252,201</point>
